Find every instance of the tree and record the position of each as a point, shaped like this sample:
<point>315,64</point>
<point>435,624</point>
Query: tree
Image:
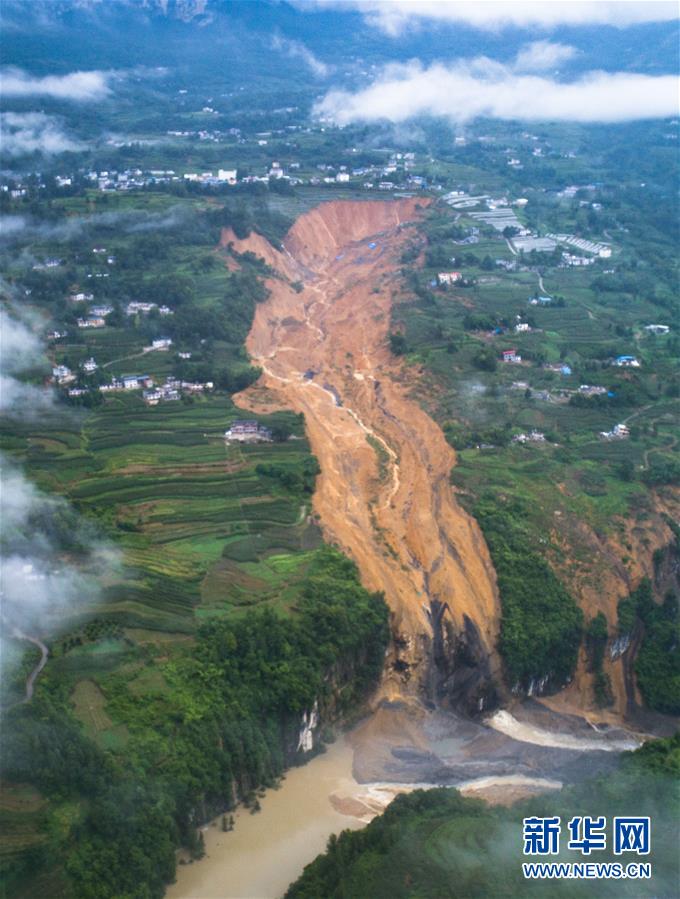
<point>398,344</point>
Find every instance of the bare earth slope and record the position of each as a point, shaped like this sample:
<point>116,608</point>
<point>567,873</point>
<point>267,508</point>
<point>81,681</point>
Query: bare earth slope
<point>383,494</point>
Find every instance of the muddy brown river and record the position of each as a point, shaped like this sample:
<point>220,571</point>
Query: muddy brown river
<point>268,850</point>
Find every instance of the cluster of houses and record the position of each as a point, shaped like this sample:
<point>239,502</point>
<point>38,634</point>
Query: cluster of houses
<point>394,174</point>
<point>63,375</point>
<point>128,382</point>
<point>137,308</point>
<point>172,390</point>
<point>569,260</point>
<point>449,277</point>
<point>531,437</point>
<point>540,301</point>
<point>593,390</point>
<point>247,431</point>
<point>223,176</point>
<point>96,315</point>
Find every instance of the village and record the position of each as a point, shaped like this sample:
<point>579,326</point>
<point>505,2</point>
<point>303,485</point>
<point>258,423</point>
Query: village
<point>395,174</point>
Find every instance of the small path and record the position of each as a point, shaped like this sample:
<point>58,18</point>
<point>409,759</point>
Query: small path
<point>657,449</point>
<point>639,412</point>
<point>44,652</point>
<point>123,358</point>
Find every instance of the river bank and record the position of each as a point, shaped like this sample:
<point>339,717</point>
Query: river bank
<point>397,749</point>
<point>266,851</point>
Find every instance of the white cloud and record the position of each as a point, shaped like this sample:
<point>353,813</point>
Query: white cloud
<point>395,16</point>
<point>483,87</point>
<point>20,347</point>
<point>20,350</point>
<point>27,132</point>
<point>40,586</point>
<point>540,56</point>
<point>78,86</point>
<point>297,50</point>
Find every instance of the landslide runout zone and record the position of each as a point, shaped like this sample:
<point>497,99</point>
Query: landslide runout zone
<point>384,494</point>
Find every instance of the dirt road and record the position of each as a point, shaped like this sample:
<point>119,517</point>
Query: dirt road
<point>383,494</point>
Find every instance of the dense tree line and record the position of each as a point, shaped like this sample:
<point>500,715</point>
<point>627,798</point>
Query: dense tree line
<point>540,622</point>
<point>658,660</point>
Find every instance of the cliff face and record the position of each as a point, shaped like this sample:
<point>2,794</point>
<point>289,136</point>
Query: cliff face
<point>383,494</point>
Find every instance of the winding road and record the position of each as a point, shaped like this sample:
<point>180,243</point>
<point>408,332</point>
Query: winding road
<point>18,634</point>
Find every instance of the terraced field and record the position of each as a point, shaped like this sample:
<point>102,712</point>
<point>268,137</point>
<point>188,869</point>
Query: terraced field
<point>200,531</point>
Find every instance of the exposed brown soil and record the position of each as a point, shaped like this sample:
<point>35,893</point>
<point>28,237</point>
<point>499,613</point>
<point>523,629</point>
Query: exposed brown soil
<point>383,495</point>
<point>611,567</point>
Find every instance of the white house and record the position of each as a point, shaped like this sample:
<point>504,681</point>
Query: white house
<point>228,175</point>
<point>89,366</point>
<point>342,177</point>
<point>627,362</point>
<point>618,432</point>
<point>62,374</point>
<point>448,277</point>
<point>511,356</point>
<point>247,432</point>
<point>657,329</point>
<point>136,307</point>
<point>162,343</point>
<point>135,382</point>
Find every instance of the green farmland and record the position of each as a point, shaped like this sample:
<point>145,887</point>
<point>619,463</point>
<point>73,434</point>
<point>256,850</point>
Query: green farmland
<point>200,532</point>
